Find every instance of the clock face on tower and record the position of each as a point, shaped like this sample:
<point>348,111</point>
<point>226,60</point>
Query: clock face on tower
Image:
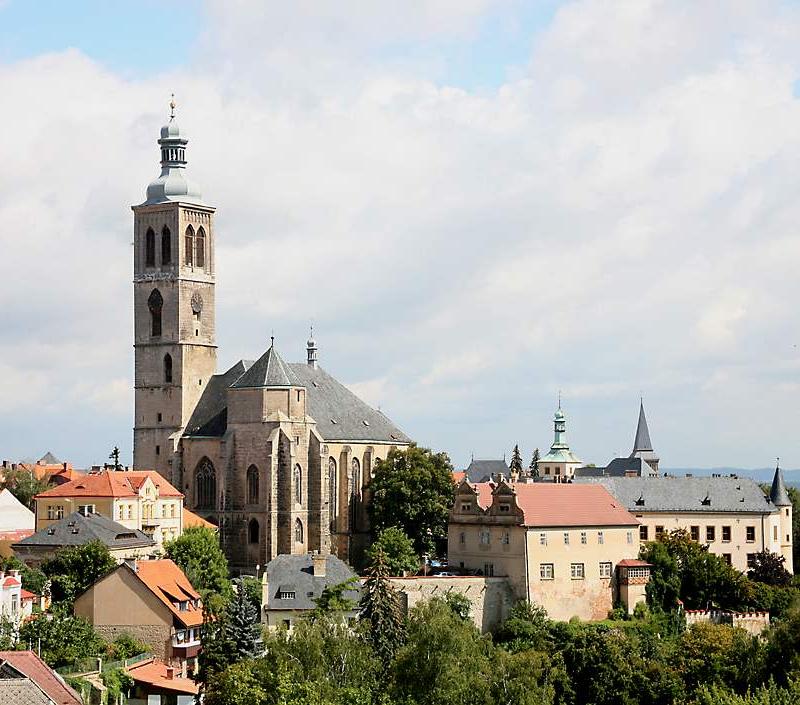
<point>197,302</point>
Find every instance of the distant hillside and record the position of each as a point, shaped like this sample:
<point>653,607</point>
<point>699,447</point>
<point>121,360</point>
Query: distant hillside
<point>792,477</point>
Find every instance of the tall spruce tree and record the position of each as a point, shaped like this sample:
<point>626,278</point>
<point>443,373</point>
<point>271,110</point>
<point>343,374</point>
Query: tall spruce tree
<point>380,606</point>
<point>534,466</point>
<point>242,625</point>
<point>516,461</point>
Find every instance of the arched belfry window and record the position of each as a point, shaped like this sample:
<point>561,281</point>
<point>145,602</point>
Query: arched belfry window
<point>167,369</point>
<point>298,484</point>
<point>252,485</point>
<point>150,248</point>
<point>188,246</point>
<point>332,489</point>
<point>200,248</point>
<point>298,531</point>
<point>205,485</point>
<point>253,531</point>
<point>155,303</point>
<point>166,246</point>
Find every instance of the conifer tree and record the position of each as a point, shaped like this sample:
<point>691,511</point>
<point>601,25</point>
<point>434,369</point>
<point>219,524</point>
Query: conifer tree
<point>516,461</point>
<point>242,625</point>
<point>380,606</point>
<point>534,466</point>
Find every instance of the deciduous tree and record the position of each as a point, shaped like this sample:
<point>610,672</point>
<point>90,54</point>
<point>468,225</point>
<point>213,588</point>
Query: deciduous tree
<point>72,570</point>
<point>198,553</point>
<point>397,551</point>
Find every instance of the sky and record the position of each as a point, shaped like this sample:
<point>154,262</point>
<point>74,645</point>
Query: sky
<point>477,203</point>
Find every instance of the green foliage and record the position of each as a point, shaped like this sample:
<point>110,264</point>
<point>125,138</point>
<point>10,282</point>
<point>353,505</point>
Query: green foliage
<point>253,587</point>
<point>413,489</point>
<point>8,633</point>
<point>242,624</point>
<point>118,683</point>
<point>686,570</point>
<point>769,568</point>
<point>64,638</point>
<point>73,570</point>
<point>770,694</point>
<point>527,627</point>
<point>534,466</point>
<point>125,646</point>
<point>381,611</point>
<point>32,578</point>
<point>774,599</point>
<point>218,650</point>
<point>198,553</point>
<point>24,485</point>
<point>460,604</point>
<point>516,461</point>
<point>794,496</point>
<point>398,551</point>
<point>783,648</point>
<point>237,685</point>
<point>333,599</point>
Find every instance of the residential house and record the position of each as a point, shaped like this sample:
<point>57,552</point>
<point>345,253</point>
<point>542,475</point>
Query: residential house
<point>161,608</point>
<point>291,583</point>
<point>78,529</point>
<point>138,499</point>
<point>11,596</point>
<point>558,544</point>
<point>27,680</point>
<point>156,683</point>
<point>16,522</point>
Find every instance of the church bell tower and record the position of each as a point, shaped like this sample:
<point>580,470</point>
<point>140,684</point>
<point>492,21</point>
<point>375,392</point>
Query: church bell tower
<point>173,302</point>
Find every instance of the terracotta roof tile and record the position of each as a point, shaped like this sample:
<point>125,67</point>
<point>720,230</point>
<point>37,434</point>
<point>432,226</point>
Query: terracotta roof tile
<point>191,519</point>
<point>154,673</point>
<point>167,582</point>
<point>109,483</point>
<point>29,664</point>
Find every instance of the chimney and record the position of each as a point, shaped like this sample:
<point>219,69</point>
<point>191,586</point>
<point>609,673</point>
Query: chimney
<point>5,463</point>
<point>170,672</point>
<point>13,466</point>
<point>320,563</point>
<point>65,465</point>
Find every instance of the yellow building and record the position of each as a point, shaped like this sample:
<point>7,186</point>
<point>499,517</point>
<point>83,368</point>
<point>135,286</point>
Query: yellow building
<point>558,544</point>
<point>137,499</point>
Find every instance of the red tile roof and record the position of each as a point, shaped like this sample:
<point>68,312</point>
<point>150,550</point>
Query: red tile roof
<point>459,476</point>
<point>154,673</point>
<point>29,664</point>
<point>109,483</point>
<point>191,519</point>
<point>11,581</point>
<point>563,504</point>
<point>28,595</point>
<point>634,563</point>
<point>167,582</point>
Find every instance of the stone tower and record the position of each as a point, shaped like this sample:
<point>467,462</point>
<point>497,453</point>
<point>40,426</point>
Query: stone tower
<point>173,302</point>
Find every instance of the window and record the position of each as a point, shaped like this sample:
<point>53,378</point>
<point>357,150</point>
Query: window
<point>727,558</point>
<point>462,538</point>
<point>286,595</point>
<point>158,450</point>
<point>159,417</point>
<point>557,471</point>
<point>253,531</point>
<point>659,532</point>
<point>505,538</point>
<point>694,532</point>
<point>332,486</point>
<point>356,477</point>
<point>566,537</point>
<point>751,560</point>
<point>150,248</point>
<point>188,247</point>
<point>200,248</point>
<point>547,471</point>
<point>298,531</point>
<point>751,534</point>
<point>252,485</point>
<point>576,571</point>
<point>466,506</point>
<point>166,246</point>
<point>546,571</point>
<point>485,537</point>
<point>86,509</point>
<point>543,539</point>
<point>205,484</point>
<point>630,537</point>
<point>488,570</point>
<point>643,533</point>
<point>298,484</point>
<point>167,369</point>
<point>726,534</point>
<point>505,508</point>
<point>605,569</point>
<point>774,533</point>
<point>155,303</point>
<point>638,572</point>
<point>711,533</point>
<point>55,511</point>
<point>583,537</point>
<point>14,605</point>
<point>600,538</point>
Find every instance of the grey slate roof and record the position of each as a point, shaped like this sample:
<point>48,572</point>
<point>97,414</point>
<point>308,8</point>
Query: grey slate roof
<point>268,371</point>
<point>21,691</point>
<point>287,573</point>
<point>49,459</point>
<point>76,530</point>
<point>686,494</point>
<point>778,493</point>
<point>210,416</point>
<point>642,440</point>
<point>622,467</point>
<point>485,470</point>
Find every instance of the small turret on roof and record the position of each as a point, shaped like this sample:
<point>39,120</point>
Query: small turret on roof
<point>642,445</point>
<point>268,371</point>
<point>778,493</point>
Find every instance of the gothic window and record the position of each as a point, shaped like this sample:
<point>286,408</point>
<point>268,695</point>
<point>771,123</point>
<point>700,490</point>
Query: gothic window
<point>356,477</point>
<point>167,369</point>
<point>166,246</point>
<point>150,248</point>
<point>332,486</point>
<point>200,248</point>
<point>298,531</point>
<point>155,303</point>
<point>205,484</point>
<point>298,484</point>
<point>253,531</point>
<point>252,484</point>
<point>188,247</point>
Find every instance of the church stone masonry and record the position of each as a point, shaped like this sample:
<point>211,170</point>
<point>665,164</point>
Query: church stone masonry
<point>278,455</point>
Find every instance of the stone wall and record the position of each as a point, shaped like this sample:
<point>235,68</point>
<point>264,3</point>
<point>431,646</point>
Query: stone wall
<point>752,622</point>
<point>157,636</point>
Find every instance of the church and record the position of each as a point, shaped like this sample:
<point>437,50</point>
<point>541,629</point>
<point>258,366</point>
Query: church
<point>278,455</point>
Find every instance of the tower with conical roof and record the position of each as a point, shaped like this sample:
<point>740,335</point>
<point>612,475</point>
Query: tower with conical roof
<point>175,348</point>
<point>642,445</point>
<point>781,538</point>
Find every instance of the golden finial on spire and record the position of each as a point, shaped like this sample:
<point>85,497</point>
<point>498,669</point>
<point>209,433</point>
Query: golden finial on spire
<point>172,106</point>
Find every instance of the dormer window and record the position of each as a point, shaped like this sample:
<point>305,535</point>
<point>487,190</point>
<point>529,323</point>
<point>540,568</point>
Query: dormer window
<point>640,501</point>
<point>466,506</point>
<point>706,501</point>
<point>505,508</point>
<point>286,595</point>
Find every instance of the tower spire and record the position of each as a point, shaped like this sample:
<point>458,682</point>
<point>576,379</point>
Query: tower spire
<point>778,493</point>
<point>642,440</point>
<point>311,349</point>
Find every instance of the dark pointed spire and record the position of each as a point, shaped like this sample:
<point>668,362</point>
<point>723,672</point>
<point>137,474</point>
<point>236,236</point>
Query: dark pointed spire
<point>268,371</point>
<point>778,493</point>
<point>642,441</point>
